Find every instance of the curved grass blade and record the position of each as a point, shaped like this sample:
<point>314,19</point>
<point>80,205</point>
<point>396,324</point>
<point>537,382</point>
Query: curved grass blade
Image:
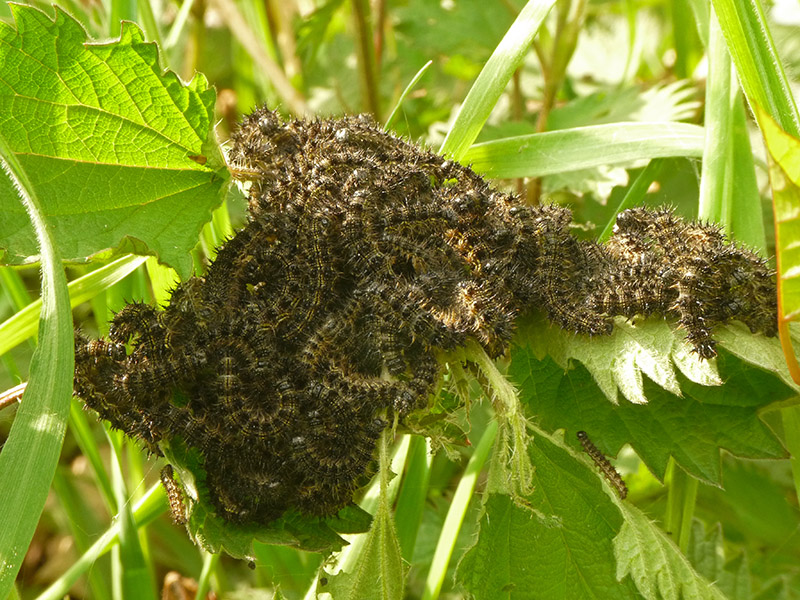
<point>494,77</point>
<point>30,456</point>
<point>23,324</point>
<point>566,150</point>
<point>757,63</point>
<point>405,93</point>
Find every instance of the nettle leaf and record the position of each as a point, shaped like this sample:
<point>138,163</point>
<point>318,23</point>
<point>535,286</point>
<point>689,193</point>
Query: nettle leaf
<point>657,566</point>
<point>555,543</point>
<point>692,428</point>
<point>118,150</point>
<point>379,573</point>
<point>707,554</point>
<point>617,361</point>
<point>675,101</point>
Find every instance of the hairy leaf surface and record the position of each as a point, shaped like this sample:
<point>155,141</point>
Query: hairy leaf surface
<point>692,427</point>
<point>116,147</point>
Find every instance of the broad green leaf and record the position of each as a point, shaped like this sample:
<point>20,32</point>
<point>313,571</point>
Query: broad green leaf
<point>754,505</point>
<point>707,555</point>
<point>551,152</point>
<point>758,65</point>
<point>671,102</point>
<point>30,455</point>
<point>118,150</point>
<point>659,569</point>
<point>617,362</point>
<point>691,428</point>
<point>706,551</point>
<point>379,574</point>
<point>556,543</point>
<point>485,92</point>
<point>758,350</point>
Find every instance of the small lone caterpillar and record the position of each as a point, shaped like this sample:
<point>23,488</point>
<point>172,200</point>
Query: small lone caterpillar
<point>606,467</point>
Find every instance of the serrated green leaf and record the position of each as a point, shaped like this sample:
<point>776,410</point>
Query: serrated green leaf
<point>706,551</point>
<point>675,101</point>
<point>758,350</point>
<point>379,574</point>
<point>654,562</point>
<point>557,546</point>
<point>691,428</point>
<point>116,148</point>
<point>652,347</point>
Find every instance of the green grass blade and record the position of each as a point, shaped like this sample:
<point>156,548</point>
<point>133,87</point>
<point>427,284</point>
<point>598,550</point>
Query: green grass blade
<point>152,505</point>
<point>635,194</point>
<point>148,19</point>
<point>30,456</point>
<point>737,207</point>
<point>23,324</point>
<point>135,578</point>
<point>566,150</point>
<point>494,77</point>
<point>760,72</point>
<point>244,34</point>
<point>405,93</point>
<point>411,500</point>
<point>163,280</point>
<point>15,287</point>
<point>80,519</point>
<point>456,513</point>
<point>716,183</point>
<point>82,432</point>
<point>178,24</point>
<point>747,220</point>
<point>210,562</point>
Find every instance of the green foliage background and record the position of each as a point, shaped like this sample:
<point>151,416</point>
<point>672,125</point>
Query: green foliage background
<point>107,151</point>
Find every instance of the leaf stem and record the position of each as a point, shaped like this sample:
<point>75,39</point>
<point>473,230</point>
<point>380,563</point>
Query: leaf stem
<point>366,57</point>
<point>210,561</point>
<point>681,500</point>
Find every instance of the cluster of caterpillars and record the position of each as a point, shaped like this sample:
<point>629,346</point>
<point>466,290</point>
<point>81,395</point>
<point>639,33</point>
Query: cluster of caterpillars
<point>363,256</point>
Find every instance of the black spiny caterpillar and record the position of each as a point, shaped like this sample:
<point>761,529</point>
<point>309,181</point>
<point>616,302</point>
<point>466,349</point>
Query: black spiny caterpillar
<point>363,255</point>
<point>602,463</point>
